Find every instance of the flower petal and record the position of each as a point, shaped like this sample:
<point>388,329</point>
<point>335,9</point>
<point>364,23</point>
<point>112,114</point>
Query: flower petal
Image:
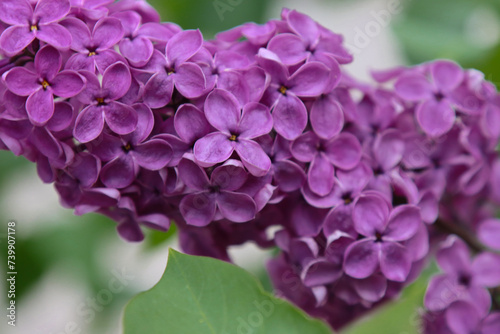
<point>370,214</point>
<point>388,149</point>
<point>253,157</point>
<point>344,151</point>
<point>213,148</point>
<point>290,48</point>
<point>320,272</point>
<point>14,39</point>
<point>413,87</point>
<point>198,209</point>
<point>489,233</point>
<point>190,80</point>
<point>288,175</point>
<point>310,80</point>
<point>40,106</point>
<point>89,124</point>
<point>107,32</point>
<point>290,117</point>
<point>236,207</point>
<point>121,118</point>
<point>231,176</point>
<point>190,123</point>
<point>304,26</point>
<point>435,118</point>
<point>193,175</point>
<point>119,173</point>
<point>48,61</point>
<point>116,80</point>
<point>404,222</point>
<point>327,117</point>
<point>55,35</point>
<point>80,33</point>
<point>321,175</point>
<point>256,120</point>
<point>304,148</point>
<point>361,258</point>
<point>222,111</point>
<point>446,74</point>
<point>462,318</point>
<point>371,289</point>
<point>138,50</point>
<point>158,90</point>
<point>21,81</point>
<point>67,84</point>
<point>153,154</point>
<point>47,11</point>
<point>395,262</point>
<point>15,12</point>
<point>454,257</point>
<point>183,46</point>
<point>486,268</point>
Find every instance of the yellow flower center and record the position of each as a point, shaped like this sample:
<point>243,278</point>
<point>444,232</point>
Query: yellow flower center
<point>283,90</point>
<point>92,53</point>
<point>100,100</point>
<point>33,27</point>
<point>233,138</point>
<point>45,84</point>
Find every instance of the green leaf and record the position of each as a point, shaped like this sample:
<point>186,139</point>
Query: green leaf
<point>203,295</point>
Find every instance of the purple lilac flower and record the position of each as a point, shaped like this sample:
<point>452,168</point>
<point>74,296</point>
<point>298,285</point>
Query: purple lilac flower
<point>236,131</point>
<point>103,106</point>
<point>215,195</point>
<point>94,49</point>
<point>28,24</point>
<point>42,84</point>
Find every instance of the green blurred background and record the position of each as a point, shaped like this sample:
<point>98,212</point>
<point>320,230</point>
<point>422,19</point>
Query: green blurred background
<point>59,253</point>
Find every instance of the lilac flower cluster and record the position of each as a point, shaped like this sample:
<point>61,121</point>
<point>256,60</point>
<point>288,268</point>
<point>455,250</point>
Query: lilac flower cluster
<point>260,130</point>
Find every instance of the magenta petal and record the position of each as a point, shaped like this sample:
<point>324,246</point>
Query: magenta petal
<point>231,176</point>
<point>371,289</point>
<point>14,39</point>
<point>119,173</point>
<point>153,154</point>
<point>288,175</point>
<point>439,286</point>
<point>190,123</point>
<point>344,151</point>
<point>446,74</point>
<point>67,84</point>
<point>222,111</point>
<point>454,256</point>
<point>486,268</point>
<point>21,81</point>
<point>116,80</point>
<point>121,118</point>
<point>198,209</point>
<point>89,124</point>
<point>388,149</point>
<point>253,157</point>
<point>193,175</point>
<point>15,12</point>
<point>48,11</point>
<point>236,207</point>
<point>107,32</point>
<point>321,175</point>
<point>289,47</point>
<point>327,117</point>
<point>130,231</point>
<point>46,143</point>
<point>395,262</point>
<point>361,258</point>
<point>55,35</point>
<point>183,46</point>
<point>256,120</point>
<point>462,318</point>
<point>320,272</point>
<point>138,50</point>
<point>290,117</point>
<point>489,233</point>
<point>62,118</point>
<point>491,324</point>
<point>435,118</point>
<point>370,214</point>
<point>80,33</point>
<point>213,148</point>
<point>48,61</point>
<point>413,87</point>
<point>304,26</point>
<point>310,80</point>
<point>40,106</point>
<point>190,80</point>
<point>404,222</point>
<point>158,90</point>
<point>304,148</point>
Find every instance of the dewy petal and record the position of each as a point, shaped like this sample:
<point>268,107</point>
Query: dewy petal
<point>48,61</point>
<point>388,149</point>
<point>361,258</point>
<point>190,80</point>
<point>253,157</point>
<point>14,39</point>
<point>489,233</point>
<point>40,106</point>
<point>193,176</point>
<point>454,257</point>
<point>256,120</point>
<point>404,222</point>
<point>413,87</point>
<point>395,262</point>
<point>80,33</point>
<point>344,151</point>
<point>119,173</point>
<point>236,207</point>
<point>198,209</point>
<point>190,123</point>
<point>153,154</point>
<point>107,32</point>
<point>304,148</point>
<point>121,118</point>
<point>289,47</point>
<point>183,46</point>
<point>67,84</point>
<point>231,176</point>
<point>447,75</point>
<point>158,90</point>
<point>435,118</point>
<point>213,148</point>
<point>222,111</point>
<point>290,117</point>
<point>89,124</point>
<point>462,318</point>
<point>47,11</point>
<point>116,80</point>
<point>55,35</point>
<point>370,214</point>
<point>327,117</point>
<point>21,81</point>
<point>486,269</point>
<point>310,80</point>
<point>15,12</point>
<point>321,175</point>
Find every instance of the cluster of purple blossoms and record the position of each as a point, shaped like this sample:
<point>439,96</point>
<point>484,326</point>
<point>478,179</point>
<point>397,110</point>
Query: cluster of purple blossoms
<point>261,130</point>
